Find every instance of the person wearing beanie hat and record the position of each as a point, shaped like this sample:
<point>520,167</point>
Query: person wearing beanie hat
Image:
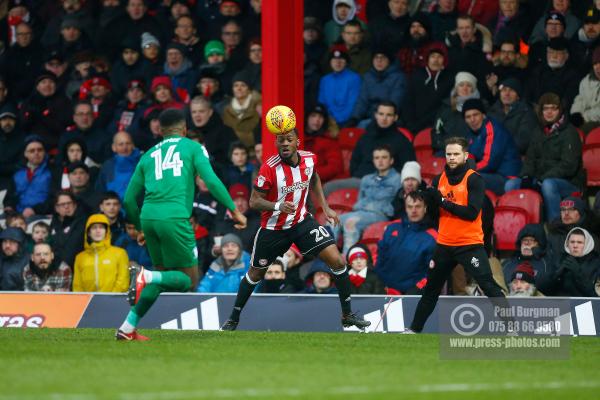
<point>515,114</point>
<point>214,47</point>
<point>364,280</point>
<point>78,174</point>
<point>414,55</point>
<point>317,140</point>
<point>149,40</point>
<point>13,259</point>
<point>128,66</point>
<point>406,247</point>
<point>532,247</point>
<point>560,14</point>
<point>226,272</point>
<point>577,271</point>
<point>240,114</point>
<point>522,283</point>
<point>180,69</point>
<point>411,170</point>
<point>553,164</point>
<point>493,147</point>
<point>339,89</point>
<point>382,82</point>
<point>586,106</point>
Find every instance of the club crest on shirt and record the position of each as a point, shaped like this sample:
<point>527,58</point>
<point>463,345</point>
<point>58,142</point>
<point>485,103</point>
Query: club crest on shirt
<point>260,181</point>
<point>262,262</point>
<point>475,262</point>
<point>307,171</point>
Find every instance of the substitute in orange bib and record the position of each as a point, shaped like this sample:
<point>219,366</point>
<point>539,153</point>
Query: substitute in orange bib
<point>459,192</point>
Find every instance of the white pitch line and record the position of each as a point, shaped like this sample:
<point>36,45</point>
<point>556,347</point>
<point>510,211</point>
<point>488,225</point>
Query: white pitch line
<point>331,391</point>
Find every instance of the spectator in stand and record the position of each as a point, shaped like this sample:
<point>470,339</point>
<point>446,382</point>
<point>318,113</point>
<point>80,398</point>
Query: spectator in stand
<point>55,61</point>
<point>13,259</point>
<point>443,19</point>
<point>352,36</point>
<point>46,112</point>
<point>137,254</point>
<point>412,182</point>
<point>151,50</point>
<point>11,143</point>
<point>508,63</point>
<point>226,272</point>
<point>214,53</point>
<point>187,35</point>
<point>101,267</point>
<point>117,171</point>
<point>274,281</point>
<point>32,181</point>
<point>21,62</point>
<point>553,159</point>
<point>381,131</point>
<point>515,114</point>
<point>82,188</point>
<point>110,206</point>
<point>579,267</point>
<point>450,121</point>
<point>40,233</point>
<point>73,10</point>
<point>253,68</point>
<point>364,280</point>
<point>314,48</point>
<point>532,248</point>
<point>383,82</point>
<point>239,170</point>
<point>493,148</point>
<point>318,141</point>
<point>586,40</point>
<point>129,115</point>
<point>82,68</point>
<point>512,22</point>
<point>312,78</point>
<point>427,88</point>
<point>404,253</point>
<point>573,214</point>
<point>68,227</point>
<point>209,87</point>
<point>522,282</point>
<point>130,65</point>
<point>88,130</point>
<point>339,89</point>
<point>208,124</point>
<point>374,204</point>
<point>319,279</point>
<point>342,12</point>
<point>390,28</point>
<point>294,262</point>
<point>571,21</point>
<point>45,273</point>
<point>240,194</point>
<point>554,29</point>
<point>467,48</point>
<point>163,96</point>
<point>180,70</point>
<point>556,75</point>
<point>74,150</point>
<point>413,54</point>
<point>242,114</point>
<point>72,39</point>
<point>482,11</point>
<point>586,106</point>
<point>234,43</point>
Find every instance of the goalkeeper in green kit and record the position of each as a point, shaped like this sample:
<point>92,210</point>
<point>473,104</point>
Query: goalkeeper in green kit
<point>166,175</point>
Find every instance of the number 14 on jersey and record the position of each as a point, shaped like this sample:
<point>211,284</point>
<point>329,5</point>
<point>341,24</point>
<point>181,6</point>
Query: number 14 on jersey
<point>171,161</point>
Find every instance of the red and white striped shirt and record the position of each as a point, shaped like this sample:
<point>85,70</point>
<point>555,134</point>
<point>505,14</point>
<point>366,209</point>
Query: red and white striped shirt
<point>282,182</point>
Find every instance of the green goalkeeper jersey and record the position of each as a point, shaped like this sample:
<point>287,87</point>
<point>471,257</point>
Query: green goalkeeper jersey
<point>166,175</point>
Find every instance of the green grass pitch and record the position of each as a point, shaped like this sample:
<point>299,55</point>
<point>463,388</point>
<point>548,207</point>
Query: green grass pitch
<point>88,364</point>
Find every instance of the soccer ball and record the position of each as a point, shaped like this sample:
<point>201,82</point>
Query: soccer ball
<point>280,120</point>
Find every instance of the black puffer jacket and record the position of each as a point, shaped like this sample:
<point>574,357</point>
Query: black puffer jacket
<point>11,268</point>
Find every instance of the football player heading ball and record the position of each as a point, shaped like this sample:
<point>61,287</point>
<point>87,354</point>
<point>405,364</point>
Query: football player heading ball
<point>280,192</point>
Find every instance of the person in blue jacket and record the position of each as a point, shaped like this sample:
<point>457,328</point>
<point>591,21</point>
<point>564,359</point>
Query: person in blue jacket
<point>226,272</point>
<point>117,171</point>
<point>339,90</point>
<point>32,181</point>
<point>404,253</point>
<point>492,146</point>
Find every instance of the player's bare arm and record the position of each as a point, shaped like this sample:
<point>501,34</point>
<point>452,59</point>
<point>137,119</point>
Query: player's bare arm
<point>259,202</point>
<point>315,185</point>
<point>239,218</point>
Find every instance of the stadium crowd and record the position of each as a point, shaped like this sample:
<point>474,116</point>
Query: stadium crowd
<point>82,84</point>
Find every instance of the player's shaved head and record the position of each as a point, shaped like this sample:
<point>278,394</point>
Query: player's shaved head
<point>172,122</point>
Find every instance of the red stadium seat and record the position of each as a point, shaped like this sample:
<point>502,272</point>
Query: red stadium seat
<point>422,144</point>
<point>591,163</point>
<point>348,137</point>
<point>342,199</point>
<point>346,157</point>
<point>508,222</point>
<point>407,134</point>
<point>492,196</point>
<point>431,166</point>
<point>593,137</point>
<point>372,235</point>
<point>527,200</point>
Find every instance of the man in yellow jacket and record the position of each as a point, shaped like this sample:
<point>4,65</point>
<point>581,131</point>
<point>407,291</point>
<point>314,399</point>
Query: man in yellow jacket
<point>100,267</point>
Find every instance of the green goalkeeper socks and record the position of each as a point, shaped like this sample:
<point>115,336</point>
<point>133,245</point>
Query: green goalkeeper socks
<point>170,281</point>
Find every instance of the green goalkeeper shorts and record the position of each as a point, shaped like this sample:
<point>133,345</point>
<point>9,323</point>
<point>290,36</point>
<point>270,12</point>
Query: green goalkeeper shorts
<point>171,243</point>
